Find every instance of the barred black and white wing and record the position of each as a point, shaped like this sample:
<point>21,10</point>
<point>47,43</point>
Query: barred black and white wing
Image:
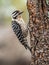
<point>18,31</point>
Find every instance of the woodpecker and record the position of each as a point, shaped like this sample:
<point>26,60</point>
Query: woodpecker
<point>20,28</point>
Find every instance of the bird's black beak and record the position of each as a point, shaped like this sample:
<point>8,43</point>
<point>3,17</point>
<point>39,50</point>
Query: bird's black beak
<point>16,13</point>
<point>20,13</point>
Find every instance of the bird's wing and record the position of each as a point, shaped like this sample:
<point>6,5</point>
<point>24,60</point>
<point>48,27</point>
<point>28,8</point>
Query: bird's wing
<point>18,31</point>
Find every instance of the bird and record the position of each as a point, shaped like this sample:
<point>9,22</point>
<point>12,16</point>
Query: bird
<point>12,51</point>
<point>20,28</point>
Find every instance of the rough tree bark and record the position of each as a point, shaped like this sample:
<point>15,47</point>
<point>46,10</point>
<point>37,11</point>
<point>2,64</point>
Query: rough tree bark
<point>39,31</point>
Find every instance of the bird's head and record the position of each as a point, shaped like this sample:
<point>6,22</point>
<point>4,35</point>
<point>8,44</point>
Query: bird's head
<point>16,14</point>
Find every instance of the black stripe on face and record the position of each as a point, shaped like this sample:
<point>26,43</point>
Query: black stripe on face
<point>15,14</point>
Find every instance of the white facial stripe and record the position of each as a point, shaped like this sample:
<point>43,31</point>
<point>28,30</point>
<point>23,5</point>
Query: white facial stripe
<point>14,15</point>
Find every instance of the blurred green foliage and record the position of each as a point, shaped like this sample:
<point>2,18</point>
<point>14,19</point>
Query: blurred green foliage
<point>47,1</point>
<point>8,6</point>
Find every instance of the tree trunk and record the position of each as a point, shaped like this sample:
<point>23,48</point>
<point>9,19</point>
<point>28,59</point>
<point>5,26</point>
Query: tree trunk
<point>39,31</point>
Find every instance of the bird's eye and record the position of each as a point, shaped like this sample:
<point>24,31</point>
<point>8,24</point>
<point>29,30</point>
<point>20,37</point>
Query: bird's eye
<point>17,11</point>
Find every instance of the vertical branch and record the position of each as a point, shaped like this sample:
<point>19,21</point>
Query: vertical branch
<point>39,31</point>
